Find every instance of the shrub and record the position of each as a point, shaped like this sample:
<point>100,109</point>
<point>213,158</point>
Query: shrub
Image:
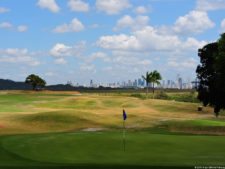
<point>138,95</point>
<point>162,95</point>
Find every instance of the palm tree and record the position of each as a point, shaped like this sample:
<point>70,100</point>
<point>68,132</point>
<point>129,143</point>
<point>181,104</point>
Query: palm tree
<point>154,78</point>
<point>147,80</point>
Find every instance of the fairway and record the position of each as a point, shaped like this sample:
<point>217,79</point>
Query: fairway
<point>85,130</point>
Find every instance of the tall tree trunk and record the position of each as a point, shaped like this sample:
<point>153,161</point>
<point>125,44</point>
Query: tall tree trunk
<point>147,90</point>
<point>153,90</point>
<point>34,86</point>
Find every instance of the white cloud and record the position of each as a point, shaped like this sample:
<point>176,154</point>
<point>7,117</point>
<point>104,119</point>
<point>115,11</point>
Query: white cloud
<point>222,25</point>
<point>49,74</point>
<point>78,6</point>
<point>108,68</point>
<point>133,23</point>
<point>62,50</point>
<point>147,39</point>
<point>119,42</point>
<point>210,5</point>
<point>22,28</point>
<point>87,67</point>
<point>192,43</point>
<point>183,64</point>
<point>9,26</point>
<point>74,26</point>
<point>15,55</point>
<point>141,10</point>
<point>98,55</point>
<point>94,26</point>
<point>112,7</point>
<point>49,4</point>
<point>192,23</point>
<point>131,61</point>
<point>4,10</point>
<point>6,25</point>
<point>60,61</point>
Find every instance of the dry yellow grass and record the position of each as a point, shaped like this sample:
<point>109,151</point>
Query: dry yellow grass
<point>49,111</point>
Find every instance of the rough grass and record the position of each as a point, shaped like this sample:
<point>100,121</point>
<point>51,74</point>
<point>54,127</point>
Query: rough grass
<point>27,112</point>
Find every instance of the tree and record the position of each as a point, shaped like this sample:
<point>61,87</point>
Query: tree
<point>211,75</point>
<point>154,78</point>
<point>35,81</point>
<point>147,80</point>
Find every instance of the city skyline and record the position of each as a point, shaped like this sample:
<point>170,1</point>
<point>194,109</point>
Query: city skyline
<point>179,83</point>
<point>103,40</point>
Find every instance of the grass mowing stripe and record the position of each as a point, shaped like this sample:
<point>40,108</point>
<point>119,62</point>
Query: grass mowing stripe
<point>105,148</point>
<point>8,158</point>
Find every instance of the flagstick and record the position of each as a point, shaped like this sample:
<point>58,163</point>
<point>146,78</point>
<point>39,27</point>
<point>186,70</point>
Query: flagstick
<point>124,142</point>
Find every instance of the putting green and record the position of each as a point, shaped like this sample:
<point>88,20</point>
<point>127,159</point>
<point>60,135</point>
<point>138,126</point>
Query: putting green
<point>106,148</point>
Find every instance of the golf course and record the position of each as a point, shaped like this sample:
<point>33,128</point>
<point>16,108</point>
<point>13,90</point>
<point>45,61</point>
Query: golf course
<point>83,130</point>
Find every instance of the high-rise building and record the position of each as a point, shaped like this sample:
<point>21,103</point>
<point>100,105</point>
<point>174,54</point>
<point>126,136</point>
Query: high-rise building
<point>91,83</point>
<point>163,84</point>
<point>168,84</point>
<point>139,82</point>
<point>180,83</point>
<point>135,84</point>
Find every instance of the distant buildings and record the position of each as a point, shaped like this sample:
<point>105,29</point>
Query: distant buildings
<point>91,83</point>
<point>179,83</point>
<point>195,83</point>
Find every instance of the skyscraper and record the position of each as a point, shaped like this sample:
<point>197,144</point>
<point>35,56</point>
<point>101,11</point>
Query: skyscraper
<point>91,83</point>
<point>180,83</point>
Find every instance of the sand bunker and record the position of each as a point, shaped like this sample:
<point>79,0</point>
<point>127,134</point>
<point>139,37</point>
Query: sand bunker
<point>93,129</point>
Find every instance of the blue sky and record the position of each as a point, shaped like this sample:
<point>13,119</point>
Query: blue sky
<point>105,40</point>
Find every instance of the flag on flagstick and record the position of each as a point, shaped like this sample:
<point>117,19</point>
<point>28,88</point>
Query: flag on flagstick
<point>124,115</point>
<point>124,140</point>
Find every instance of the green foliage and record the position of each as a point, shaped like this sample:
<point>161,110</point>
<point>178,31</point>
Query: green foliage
<point>211,75</point>
<point>190,97</point>
<point>162,95</point>
<point>184,97</point>
<point>138,95</point>
<point>153,78</point>
<point>35,81</point>
<point>147,80</point>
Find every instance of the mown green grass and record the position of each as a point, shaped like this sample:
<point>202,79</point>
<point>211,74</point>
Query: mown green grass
<point>211,122</point>
<point>106,148</point>
<point>195,123</point>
